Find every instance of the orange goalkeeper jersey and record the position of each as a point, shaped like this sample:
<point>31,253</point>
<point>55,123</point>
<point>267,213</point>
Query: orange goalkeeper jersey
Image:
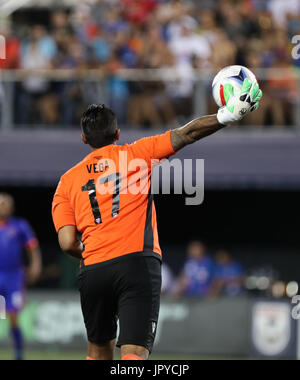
<point>107,197</point>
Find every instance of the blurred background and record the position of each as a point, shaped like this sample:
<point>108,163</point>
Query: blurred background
<point>232,264</point>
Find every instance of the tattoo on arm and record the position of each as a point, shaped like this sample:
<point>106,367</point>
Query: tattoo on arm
<point>194,131</point>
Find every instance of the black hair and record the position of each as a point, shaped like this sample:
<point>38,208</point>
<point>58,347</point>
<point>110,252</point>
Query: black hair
<point>99,126</point>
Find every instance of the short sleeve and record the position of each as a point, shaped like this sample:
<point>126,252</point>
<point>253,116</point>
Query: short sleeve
<point>62,211</point>
<point>28,237</point>
<point>154,148</point>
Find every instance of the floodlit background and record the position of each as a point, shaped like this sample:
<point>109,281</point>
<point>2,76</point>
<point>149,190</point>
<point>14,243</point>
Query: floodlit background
<point>232,264</point>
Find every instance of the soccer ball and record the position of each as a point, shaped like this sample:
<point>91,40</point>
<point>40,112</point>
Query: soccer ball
<point>231,75</point>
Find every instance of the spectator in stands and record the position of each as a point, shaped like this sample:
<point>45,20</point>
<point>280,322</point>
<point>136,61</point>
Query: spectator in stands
<point>36,98</point>
<point>224,51</point>
<point>282,88</point>
<point>172,15</point>
<point>118,89</point>
<point>42,41</point>
<point>198,272</point>
<point>280,10</point>
<point>13,46</point>
<point>101,48</point>
<point>190,50</point>
<point>228,276</point>
<point>157,34</point>
<point>150,104</point>
<point>136,11</point>
<point>60,22</point>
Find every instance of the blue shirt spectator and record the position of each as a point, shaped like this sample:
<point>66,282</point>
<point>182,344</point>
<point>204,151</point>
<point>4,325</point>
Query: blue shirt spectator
<point>45,43</point>
<point>228,275</point>
<point>198,272</point>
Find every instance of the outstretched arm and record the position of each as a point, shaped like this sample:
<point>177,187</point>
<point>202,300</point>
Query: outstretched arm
<point>194,131</point>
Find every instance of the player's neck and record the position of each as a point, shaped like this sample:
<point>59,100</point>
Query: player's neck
<point>101,147</point>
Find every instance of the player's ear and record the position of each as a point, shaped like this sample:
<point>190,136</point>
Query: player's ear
<point>118,134</point>
<point>83,138</point>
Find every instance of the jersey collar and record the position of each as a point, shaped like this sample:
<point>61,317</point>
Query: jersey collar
<point>97,153</point>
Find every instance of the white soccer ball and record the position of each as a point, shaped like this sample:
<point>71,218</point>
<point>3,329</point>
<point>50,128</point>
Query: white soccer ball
<point>231,75</point>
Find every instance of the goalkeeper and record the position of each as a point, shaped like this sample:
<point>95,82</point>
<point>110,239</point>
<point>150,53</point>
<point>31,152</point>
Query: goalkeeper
<point>121,257</point>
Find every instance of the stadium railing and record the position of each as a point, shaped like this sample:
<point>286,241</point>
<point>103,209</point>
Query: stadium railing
<point>125,88</point>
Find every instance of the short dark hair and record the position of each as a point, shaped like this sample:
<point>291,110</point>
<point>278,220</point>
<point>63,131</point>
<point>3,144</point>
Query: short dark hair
<point>99,125</point>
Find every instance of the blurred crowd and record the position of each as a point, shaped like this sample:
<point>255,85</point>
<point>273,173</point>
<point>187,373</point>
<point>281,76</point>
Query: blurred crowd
<point>205,276</point>
<point>110,35</point>
<point>209,275</point>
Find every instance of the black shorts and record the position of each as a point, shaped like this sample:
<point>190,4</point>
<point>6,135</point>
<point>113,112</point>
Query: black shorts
<point>125,289</point>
